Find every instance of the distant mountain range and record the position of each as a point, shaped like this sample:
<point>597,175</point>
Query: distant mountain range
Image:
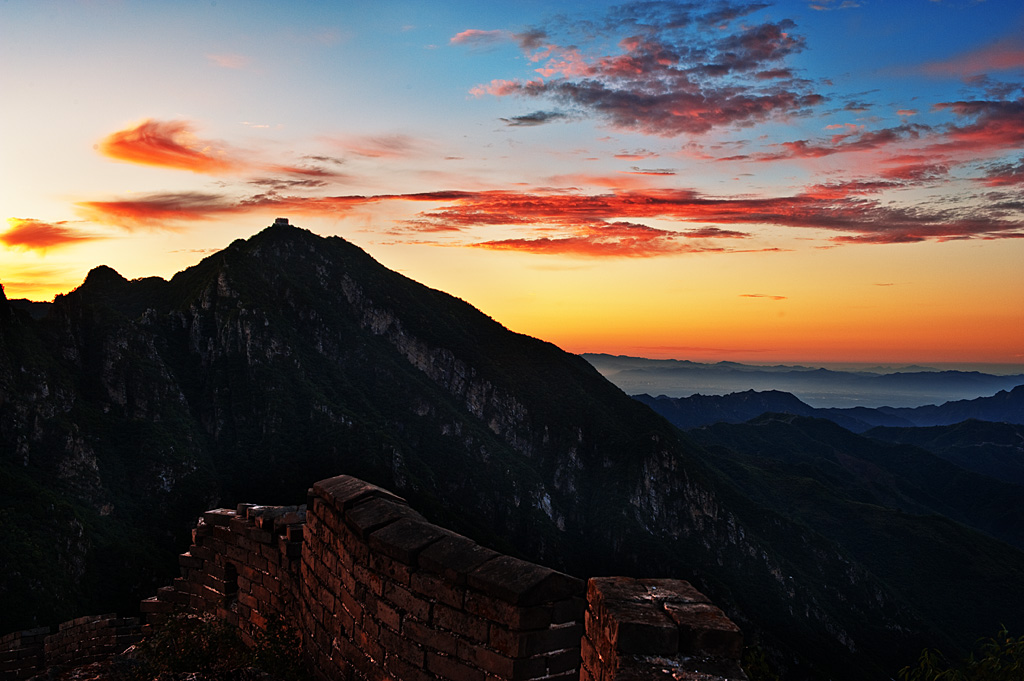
<point>906,387</point>
<point>703,410</point>
<point>129,407</point>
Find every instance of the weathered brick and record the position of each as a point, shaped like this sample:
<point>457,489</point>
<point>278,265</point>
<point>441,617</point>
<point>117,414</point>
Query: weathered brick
<point>343,491</point>
<point>469,626</point>
<point>399,668</point>
<point>506,614</point>
<point>451,669</point>
<point>404,539</point>
<point>219,516</point>
<point>441,590</point>
<point>430,637</point>
<point>397,644</point>
<point>530,643</point>
<point>523,583</point>
<point>371,514</point>
<point>390,568</point>
<point>454,557</point>
<point>407,601</point>
<point>703,628</point>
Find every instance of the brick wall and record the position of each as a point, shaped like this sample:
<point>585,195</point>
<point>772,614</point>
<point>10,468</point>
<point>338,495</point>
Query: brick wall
<point>377,593</point>
<point>387,595</point>
<point>242,567</point>
<point>656,629</point>
<point>91,638</point>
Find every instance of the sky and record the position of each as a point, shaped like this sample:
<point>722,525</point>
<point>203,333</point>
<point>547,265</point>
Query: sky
<point>819,181</point>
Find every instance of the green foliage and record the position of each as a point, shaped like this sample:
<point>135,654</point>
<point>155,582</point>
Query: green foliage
<point>1000,658</point>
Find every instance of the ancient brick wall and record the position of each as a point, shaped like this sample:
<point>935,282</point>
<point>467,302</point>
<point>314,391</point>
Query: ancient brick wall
<point>242,567</point>
<point>656,629</point>
<point>91,638</point>
<point>377,593</point>
<point>387,595</point>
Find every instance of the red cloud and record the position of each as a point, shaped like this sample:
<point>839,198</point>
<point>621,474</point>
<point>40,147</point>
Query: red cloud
<point>1005,54</point>
<point>158,210</point>
<point>617,239</point>
<point>998,126</point>
<point>566,221</point>
<point>38,235</point>
<point>840,207</point>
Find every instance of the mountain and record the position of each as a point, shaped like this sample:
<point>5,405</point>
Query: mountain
<point>899,511</point>
<point>703,410</point>
<point>993,449</point>
<point>904,387</point>
<point>132,406</point>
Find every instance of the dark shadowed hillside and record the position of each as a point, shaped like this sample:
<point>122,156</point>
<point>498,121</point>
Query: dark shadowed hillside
<point>994,449</point>
<point>131,406</point>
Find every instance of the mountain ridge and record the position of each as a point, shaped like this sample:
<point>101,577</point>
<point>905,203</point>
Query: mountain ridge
<point>134,405</point>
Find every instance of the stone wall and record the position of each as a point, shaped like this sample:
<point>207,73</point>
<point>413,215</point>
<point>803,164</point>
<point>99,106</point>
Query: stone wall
<point>91,638</point>
<point>656,629</point>
<point>387,595</point>
<point>377,593</point>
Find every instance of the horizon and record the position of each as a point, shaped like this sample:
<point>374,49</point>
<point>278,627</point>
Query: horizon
<point>783,183</point>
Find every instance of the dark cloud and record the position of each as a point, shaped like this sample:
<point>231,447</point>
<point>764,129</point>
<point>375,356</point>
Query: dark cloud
<point>672,75</point>
<point>535,118</point>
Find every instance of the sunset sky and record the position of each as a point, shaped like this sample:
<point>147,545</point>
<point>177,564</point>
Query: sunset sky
<point>822,181</point>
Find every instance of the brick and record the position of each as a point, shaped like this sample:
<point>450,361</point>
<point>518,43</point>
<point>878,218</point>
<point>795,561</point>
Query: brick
<point>343,491</point>
<point>454,557</point>
<point>704,629</point>
<point>434,639</point>
<point>434,587</point>
<point>152,604</point>
<point>469,626</point>
<point>219,517</point>
<point>399,668</point>
<point>368,578</point>
<point>397,644</point>
<point>187,560</point>
<point>404,539</point>
<point>451,669</point>
<point>523,583</point>
<point>390,568</point>
<point>371,514</point>
<point>530,643</point>
<point>673,591</point>
<point>506,614</point>
<point>406,601</point>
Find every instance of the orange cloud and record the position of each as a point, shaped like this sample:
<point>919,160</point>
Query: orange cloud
<point>762,295</point>
<point>168,144</point>
<point>173,144</point>
<point>38,235</point>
